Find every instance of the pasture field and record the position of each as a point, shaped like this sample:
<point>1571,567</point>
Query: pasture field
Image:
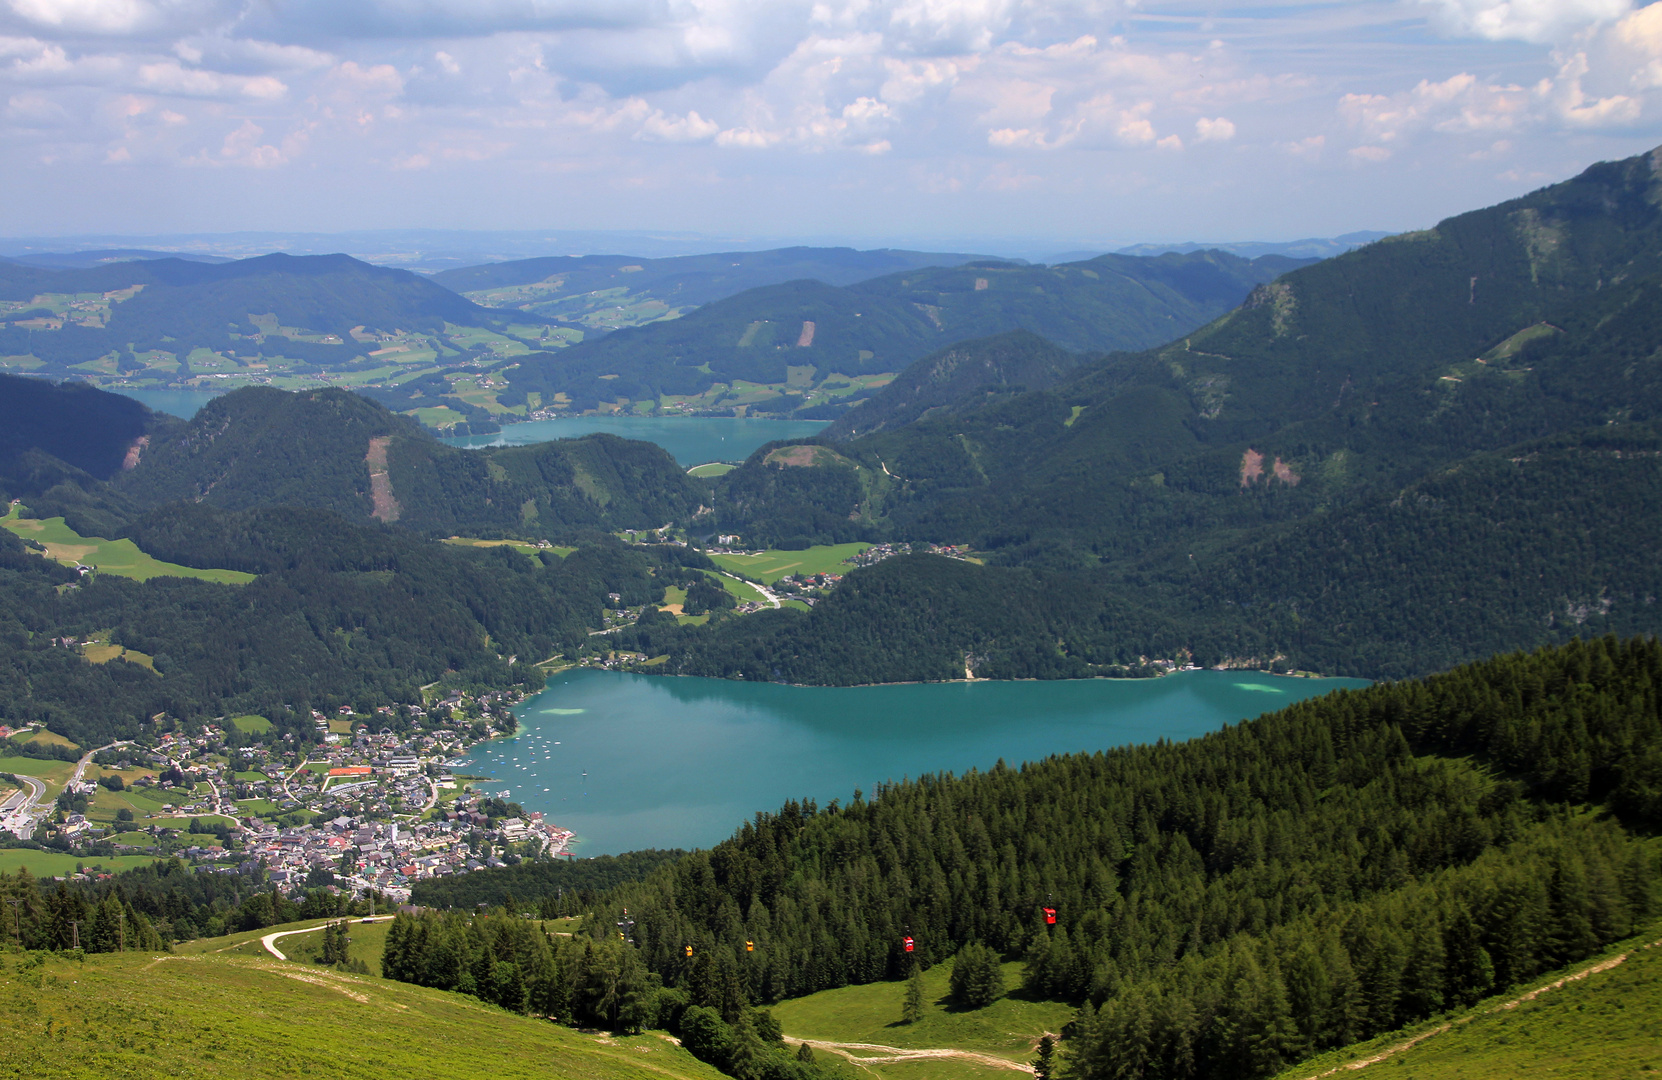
<point>520,546</point>
<point>55,773</point>
<point>1009,1028</point>
<point>743,590</point>
<point>769,566</point>
<point>257,725</point>
<point>56,864</point>
<point>120,557</point>
<point>235,1015</point>
<point>50,738</point>
<point>797,604</point>
<point>250,776</point>
<point>1589,1021</point>
<point>711,469</point>
<point>439,416</point>
<point>257,807</point>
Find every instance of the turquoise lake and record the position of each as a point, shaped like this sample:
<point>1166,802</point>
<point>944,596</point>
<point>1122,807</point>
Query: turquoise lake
<point>642,761</point>
<point>180,403</point>
<point>690,440</point>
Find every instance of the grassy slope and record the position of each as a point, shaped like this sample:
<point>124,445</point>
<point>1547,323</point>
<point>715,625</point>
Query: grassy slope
<point>1009,1028</point>
<point>231,1014</point>
<point>56,864</point>
<point>120,557</point>
<point>1606,1025</point>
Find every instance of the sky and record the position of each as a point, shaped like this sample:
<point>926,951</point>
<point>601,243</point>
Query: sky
<point>1086,122</point>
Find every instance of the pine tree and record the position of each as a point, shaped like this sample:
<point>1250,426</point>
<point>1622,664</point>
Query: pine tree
<point>1044,1066</point>
<point>912,1011</point>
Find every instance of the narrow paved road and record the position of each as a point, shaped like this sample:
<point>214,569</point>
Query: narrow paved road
<point>270,940</point>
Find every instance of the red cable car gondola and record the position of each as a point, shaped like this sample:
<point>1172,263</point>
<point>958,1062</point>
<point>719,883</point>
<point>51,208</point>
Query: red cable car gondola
<point>907,941</point>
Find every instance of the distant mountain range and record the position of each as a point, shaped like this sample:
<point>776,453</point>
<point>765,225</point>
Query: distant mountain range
<point>609,292</point>
<point>1311,248</point>
<point>804,347</point>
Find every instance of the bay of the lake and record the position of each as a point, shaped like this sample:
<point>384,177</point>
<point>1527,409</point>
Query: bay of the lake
<point>643,761</point>
<point>690,440</point>
<point>181,403</point>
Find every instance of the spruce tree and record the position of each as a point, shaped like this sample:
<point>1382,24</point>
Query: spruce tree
<point>912,1011</point>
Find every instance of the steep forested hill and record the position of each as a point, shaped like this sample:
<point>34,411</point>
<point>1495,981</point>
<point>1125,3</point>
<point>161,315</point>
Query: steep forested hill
<point>338,451</point>
<point>882,325</point>
<point>956,379</point>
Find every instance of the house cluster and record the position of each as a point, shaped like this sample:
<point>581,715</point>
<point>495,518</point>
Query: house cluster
<point>878,552</point>
<point>390,856</point>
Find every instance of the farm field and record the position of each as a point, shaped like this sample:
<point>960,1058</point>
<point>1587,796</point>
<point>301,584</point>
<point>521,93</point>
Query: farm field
<point>231,1015</point>
<point>50,738</point>
<point>769,566</point>
<point>743,590</point>
<point>1594,1025</point>
<point>1009,1028</point>
<point>55,773</point>
<point>54,864</point>
<point>120,557</point>
<point>520,546</point>
<point>712,468</point>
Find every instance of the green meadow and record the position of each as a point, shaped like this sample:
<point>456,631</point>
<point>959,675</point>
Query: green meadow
<point>770,566</point>
<point>257,725</point>
<point>120,557</point>
<point>1009,1029</point>
<point>56,864</point>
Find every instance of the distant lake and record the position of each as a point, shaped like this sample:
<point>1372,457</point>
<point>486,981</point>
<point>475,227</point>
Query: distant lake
<point>690,440</point>
<point>679,762</point>
<point>181,403</point>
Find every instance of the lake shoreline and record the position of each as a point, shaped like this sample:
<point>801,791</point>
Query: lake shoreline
<point>966,682</point>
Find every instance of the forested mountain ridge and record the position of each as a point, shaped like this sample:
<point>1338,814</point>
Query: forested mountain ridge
<point>955,378</point>
<point>338,451</point>
<point>1313,481</point>
<point>1226,905</point>
<point>882,325</point>
<point>273,318</point>
<point>1496,326</point>
<point>340,614</point>
<point>606,291</point>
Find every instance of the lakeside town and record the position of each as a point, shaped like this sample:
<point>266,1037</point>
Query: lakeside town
<point>372,804</point>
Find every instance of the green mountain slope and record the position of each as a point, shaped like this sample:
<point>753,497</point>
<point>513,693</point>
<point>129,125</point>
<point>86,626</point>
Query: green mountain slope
<point>957,378</point>
<point>773,336</point>
<point>337,451</point>
<point>275,319</point>
<point>1322,479</point>
<point>228,1016</point>
<point>1595,1021</point>
<point>606,292</point>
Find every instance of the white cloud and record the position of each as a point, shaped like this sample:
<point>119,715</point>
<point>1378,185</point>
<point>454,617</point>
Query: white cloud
<point>97,16</point>
<point>1218,130</point>
<point>169,77</point>
<point>669,128</point>
<point>1538,21</point>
